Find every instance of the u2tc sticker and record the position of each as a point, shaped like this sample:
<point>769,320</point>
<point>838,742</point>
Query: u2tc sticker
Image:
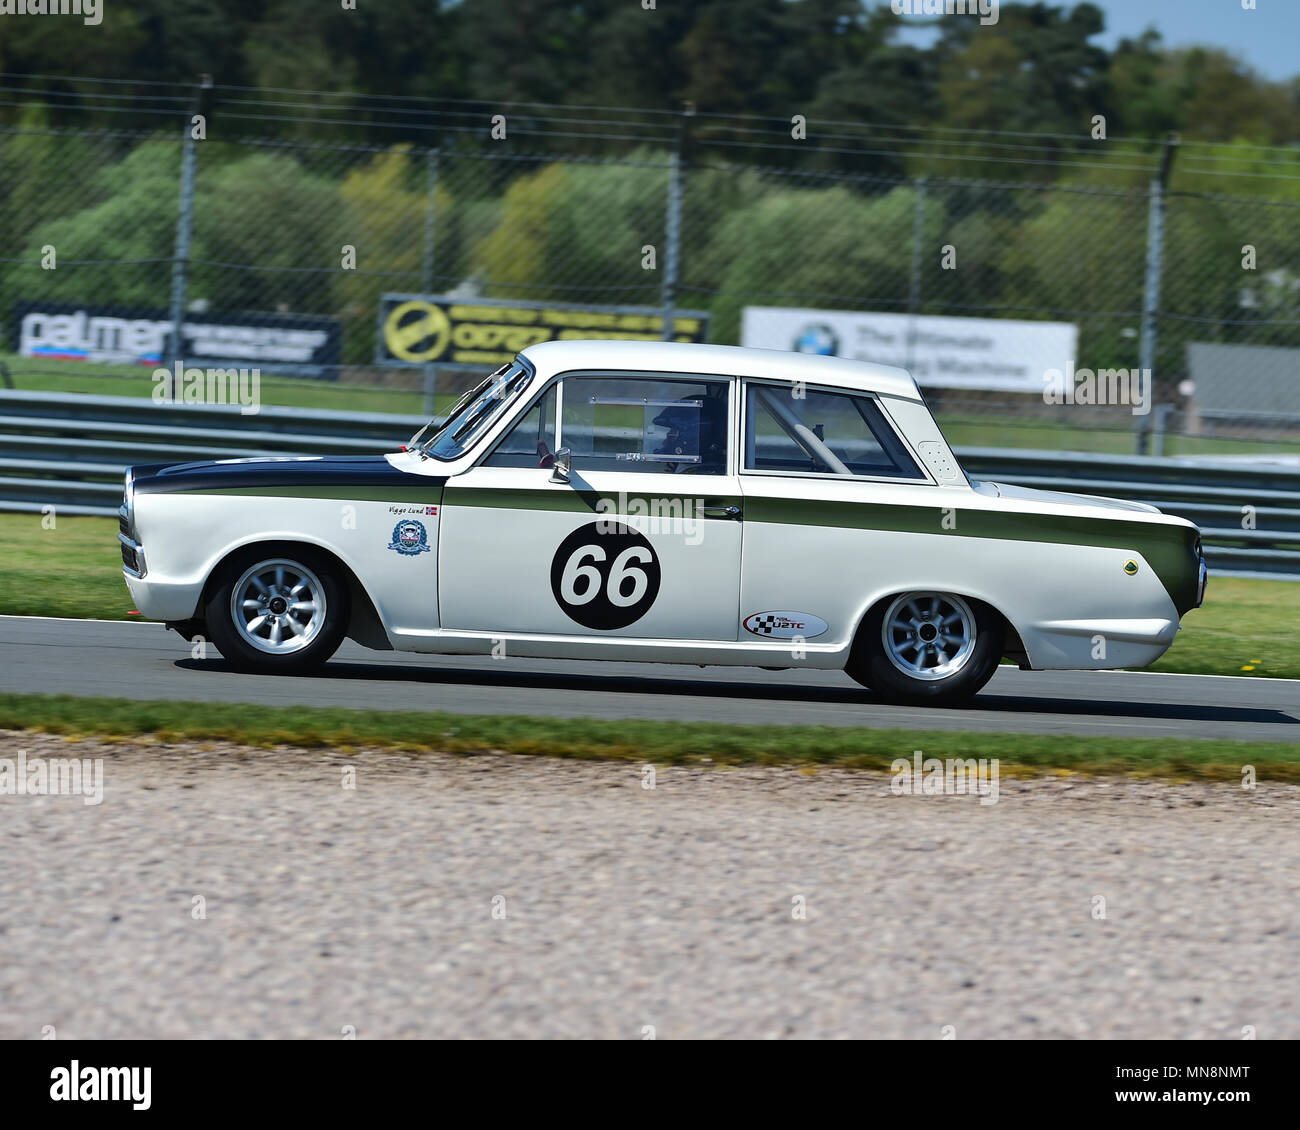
<point>785,625</point>
<point>605,576</point>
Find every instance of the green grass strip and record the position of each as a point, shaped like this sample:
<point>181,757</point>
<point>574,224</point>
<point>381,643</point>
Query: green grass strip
<point>673,742</point>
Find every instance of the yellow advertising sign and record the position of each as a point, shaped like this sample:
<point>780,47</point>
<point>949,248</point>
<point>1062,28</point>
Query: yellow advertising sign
<point>423,329</point>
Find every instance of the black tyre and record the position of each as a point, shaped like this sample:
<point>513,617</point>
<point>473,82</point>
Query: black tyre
<point>278,612</point>
<point>927,647</point>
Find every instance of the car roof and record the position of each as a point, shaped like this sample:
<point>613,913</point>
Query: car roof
<point>551,357</point>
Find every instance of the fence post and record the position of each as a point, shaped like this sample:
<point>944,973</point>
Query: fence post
<point>914,288</point>
<point>1151,288</point>
<point>432,167</point>
<point>673,225</point>
<point>1162,413</point>
<point>184,230</point>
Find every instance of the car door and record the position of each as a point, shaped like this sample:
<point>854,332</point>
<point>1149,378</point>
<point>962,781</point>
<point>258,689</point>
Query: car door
<point>642,541</point>
<point>830,493</point>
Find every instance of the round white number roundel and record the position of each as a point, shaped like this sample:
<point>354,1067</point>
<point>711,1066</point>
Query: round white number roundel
<point>605,576</point>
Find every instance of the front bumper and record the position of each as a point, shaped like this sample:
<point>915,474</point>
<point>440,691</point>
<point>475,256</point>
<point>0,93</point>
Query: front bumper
<point>163,600</point>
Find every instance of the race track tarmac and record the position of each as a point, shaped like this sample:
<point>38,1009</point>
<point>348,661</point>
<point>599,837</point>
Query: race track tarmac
<point>144,661</point>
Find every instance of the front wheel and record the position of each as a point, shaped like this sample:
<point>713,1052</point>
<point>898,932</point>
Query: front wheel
<point>927,647</point>
<point>278,613</point>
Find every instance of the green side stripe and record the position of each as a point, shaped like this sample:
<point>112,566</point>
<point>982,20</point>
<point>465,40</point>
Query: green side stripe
<point>1168,549</point>
<point>585,501</point>
<point>430,494</point>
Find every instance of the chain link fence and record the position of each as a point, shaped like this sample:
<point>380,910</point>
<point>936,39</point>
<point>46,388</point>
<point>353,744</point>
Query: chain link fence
<point>276,229</point>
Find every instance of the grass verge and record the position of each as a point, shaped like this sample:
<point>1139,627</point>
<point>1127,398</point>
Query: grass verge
<point>275,390</point>
<point>72,570</point>
<point>672,742</point>
<point>75,570</point>
<point>1236,631</point>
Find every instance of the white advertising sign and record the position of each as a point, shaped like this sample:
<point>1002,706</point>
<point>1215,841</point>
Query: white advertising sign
<point>940,352</point>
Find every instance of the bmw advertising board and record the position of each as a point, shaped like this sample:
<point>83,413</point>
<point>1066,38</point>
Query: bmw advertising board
<point>940,352</point>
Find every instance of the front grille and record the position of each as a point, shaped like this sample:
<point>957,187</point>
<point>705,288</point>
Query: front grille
<point>132,555</point>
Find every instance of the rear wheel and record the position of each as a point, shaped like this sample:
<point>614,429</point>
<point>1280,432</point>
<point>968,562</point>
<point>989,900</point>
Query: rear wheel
<point>278,613</point>
<point>922,647</point>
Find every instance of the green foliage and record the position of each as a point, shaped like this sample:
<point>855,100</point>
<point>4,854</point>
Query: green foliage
<point>233,206</point>
<point>1040,68</point>
<point>585,223</point>
<point>808,244</point>
<point>132,215</point>
<point>572,231</point>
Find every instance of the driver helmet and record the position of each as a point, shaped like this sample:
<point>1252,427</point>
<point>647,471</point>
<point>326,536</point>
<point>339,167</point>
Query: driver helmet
<point>695,426</point>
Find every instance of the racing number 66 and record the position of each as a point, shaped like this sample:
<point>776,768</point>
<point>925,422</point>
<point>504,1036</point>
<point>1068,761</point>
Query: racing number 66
<point>605,578</point>
<point>619,572</point>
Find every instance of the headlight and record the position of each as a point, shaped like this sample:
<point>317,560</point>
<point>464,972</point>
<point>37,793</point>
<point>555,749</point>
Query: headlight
<point>126,512</point>
<point>1202,572</point>
<point>132,554</point>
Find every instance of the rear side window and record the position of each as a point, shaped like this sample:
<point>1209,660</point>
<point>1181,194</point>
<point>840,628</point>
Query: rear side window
<point>821,433</point>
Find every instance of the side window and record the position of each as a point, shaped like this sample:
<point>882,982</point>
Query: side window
<point>531,442</point>
<point>669,425</point>
<point>821,433</point>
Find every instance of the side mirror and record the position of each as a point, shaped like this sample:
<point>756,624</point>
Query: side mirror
<point>561,465</point>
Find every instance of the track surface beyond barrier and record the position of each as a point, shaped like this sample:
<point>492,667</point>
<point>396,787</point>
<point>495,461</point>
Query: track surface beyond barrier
<point>144,661</point>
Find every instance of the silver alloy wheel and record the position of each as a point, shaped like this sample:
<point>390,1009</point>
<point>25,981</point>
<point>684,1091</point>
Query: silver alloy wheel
<point>928,635</point>
<point>278,606</point>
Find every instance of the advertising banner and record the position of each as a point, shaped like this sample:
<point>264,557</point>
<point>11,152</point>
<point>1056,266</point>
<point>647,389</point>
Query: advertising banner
<point>940,352</point>
<point>302,344</point>
<point>417,329</point>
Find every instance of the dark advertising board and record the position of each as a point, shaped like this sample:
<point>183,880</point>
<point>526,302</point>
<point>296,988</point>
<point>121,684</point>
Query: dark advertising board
<point>304,345</point>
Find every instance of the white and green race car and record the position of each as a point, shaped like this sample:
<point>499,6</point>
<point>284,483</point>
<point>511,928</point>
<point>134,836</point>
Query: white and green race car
<point>663,503</point>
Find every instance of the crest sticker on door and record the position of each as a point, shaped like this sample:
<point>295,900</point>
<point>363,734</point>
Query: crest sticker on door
<point>605,576</point>
<point>410,538</point>
<point>785,625</point>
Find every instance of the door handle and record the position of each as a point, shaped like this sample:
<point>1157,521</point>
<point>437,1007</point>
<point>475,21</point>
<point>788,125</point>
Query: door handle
<point>720,511</point>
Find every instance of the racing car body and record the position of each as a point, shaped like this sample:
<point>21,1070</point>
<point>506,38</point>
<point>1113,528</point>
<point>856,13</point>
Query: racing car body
<point>664,503</point>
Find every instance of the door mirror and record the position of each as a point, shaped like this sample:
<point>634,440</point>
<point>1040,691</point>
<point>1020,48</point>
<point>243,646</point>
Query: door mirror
<point>561,465</point>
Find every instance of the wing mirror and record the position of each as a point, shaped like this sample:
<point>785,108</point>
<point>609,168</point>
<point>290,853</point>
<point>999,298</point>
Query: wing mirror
<point>561,465</point>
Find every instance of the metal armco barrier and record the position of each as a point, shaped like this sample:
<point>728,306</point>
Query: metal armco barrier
<point>69,451</point>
